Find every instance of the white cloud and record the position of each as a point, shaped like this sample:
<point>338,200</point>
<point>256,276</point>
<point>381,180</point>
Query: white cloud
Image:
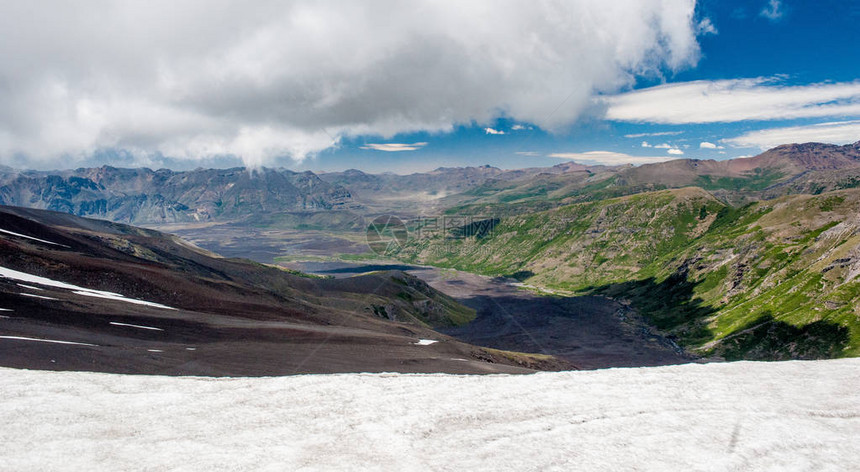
<point>706,27</point>
<point>773,11</point>
<point>493,131</point>
<point>707,145</point>
<point>520,127</point>
<point>645,144</point>
<point>733,100</point>
<point>291,78</point>
<point>393,147</point>
<point>661,133</point>
<point>527,153</point>
<point>608,158</point>
<point>675,151</point>
<point>663,146</point>
<point>840,132</point>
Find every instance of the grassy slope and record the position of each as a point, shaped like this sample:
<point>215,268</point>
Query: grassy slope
<point>771,280</point>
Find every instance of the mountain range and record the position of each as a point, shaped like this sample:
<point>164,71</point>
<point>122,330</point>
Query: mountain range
<point>148,197</point>
<point>750,258</point>
<point>145,196</point>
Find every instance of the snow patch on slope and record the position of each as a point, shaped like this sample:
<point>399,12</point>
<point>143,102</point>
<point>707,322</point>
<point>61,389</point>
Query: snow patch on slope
<point>32,238</point>
<point>25,277</point>
<point>40,340</point>
<point>29,287</point>
<point>116,323</point>
<point>39,296</point>
<point>734,416</point>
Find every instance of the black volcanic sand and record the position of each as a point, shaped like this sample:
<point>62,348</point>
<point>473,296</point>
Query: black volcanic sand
<point>191,343</point>
<point>589,331</point>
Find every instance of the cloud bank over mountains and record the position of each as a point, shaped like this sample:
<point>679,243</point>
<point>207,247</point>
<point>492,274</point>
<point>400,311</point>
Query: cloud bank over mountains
<point>197,79</point>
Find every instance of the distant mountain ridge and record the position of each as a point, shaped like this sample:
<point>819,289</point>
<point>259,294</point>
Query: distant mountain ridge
<point>145,196</point>
<point>809,168</point>
<point>165,196</point>
<point>782,161</point>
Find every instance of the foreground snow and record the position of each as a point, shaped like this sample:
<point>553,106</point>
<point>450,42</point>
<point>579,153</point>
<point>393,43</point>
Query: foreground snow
<point>793,415</point>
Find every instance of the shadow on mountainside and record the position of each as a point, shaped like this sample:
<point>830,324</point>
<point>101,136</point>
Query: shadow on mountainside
<point>769,339</point>
<point>672,307</point>
<point>590,331</point>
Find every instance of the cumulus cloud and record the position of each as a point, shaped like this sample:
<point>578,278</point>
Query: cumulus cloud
<point>393,147</point>
<point>706,27</point>
<point>723,101</point>
<point>663,146</point>
<point>707,145</point>
<point>645,144</point>
<point>773,11</point>
<point>608,158</point>
<point>493,131</point>
<point>519,127</point>
<point>838,132</point>
<point>194,79</point>
<point>675,151</point>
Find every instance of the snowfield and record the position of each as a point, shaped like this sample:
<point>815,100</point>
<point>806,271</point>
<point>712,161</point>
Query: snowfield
<point>737,416</point>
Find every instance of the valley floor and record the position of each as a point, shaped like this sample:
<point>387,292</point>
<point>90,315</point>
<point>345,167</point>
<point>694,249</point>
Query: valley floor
<point>591,332</point>
<point>788,415</point>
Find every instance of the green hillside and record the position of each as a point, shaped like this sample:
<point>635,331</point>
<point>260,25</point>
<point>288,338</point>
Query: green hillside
<point>770,280</point>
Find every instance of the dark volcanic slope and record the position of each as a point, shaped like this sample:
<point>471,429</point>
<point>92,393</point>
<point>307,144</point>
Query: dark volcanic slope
<point>206,315</point>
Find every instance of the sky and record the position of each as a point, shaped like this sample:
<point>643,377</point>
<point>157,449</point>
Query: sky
<point>389,86</point>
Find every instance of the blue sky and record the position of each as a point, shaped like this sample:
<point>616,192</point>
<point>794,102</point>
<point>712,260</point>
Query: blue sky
<point>789,43</point>
<point>388,86</point>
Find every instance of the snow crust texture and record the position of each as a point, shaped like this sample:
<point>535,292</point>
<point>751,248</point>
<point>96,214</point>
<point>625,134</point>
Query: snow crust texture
<point>737,416</point>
